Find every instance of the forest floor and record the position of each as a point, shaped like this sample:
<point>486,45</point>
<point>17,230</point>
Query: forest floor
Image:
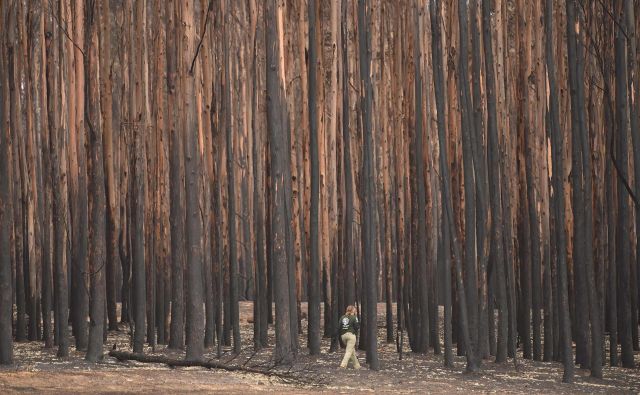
<point>37,369</point>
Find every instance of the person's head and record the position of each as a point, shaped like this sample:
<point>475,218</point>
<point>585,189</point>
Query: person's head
<point>351,310</point>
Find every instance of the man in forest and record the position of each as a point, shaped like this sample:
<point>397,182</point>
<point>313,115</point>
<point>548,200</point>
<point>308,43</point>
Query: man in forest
<point>348,330</point>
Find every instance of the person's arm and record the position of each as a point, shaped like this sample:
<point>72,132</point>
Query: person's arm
<point>356,323</point>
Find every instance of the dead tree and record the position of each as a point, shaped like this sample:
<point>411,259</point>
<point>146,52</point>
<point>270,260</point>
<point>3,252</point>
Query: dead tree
<point>6,288</point>
<point>284,352</point>
<point>139,157</point>
<point>369,189</point>
<point>468,136</point>
<point>192,157</point>
<point>97,184</point>
<point>231,184</point>
<point>559,209</point>
<point>497,225</point>
<point>314,268</point>
<point>623,245</point>
<point>176,170</point>
<point>420,239</point>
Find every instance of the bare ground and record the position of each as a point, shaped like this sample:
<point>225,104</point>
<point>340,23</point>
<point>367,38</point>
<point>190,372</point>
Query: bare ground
<point>37,369</point>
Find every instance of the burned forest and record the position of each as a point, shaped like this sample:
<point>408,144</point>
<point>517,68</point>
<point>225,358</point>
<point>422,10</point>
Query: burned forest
<point>211,183</point>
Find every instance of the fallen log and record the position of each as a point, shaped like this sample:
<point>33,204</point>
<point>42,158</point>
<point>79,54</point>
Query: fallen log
<point>209,364</point>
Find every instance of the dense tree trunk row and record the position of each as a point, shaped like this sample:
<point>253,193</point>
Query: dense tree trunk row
<point>160,162</point>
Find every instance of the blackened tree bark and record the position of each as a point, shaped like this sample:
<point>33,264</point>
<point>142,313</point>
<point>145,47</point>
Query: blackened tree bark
<point>548,262</point>
<point>483,222</point>
<point>558,200</point>
<point>623,240</point>
<point>349,255</point>
<point>231,200</point>
<point>60,237</point>
<point>139,183</point>
<point>80,204</point>
<point>284,350</point>
<point>38,107</point>
<point>581,315</point>
<point>51,74</point>
<point>576,71</point>
<point>6,288</point>
<point>468,133</point>
<point>446,186</point>
<point>494,186</point>
<point>176,330</point>
<point>314,268</point>
<point>436,53</point>
<point>106,105</point>
<point>612,303</point>
<point>97,183</point>
<point>16,127</point>
<point>369,190</point>
<point>192,157</point>
<point>420,239</point>
<point>634,121</point>
<point>260,325</point>
<point>534,224</point>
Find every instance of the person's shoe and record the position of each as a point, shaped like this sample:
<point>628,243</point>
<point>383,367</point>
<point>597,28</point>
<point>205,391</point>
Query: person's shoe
<point>342,367</point>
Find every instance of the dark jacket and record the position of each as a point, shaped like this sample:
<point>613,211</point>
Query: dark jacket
<point>348,323</point>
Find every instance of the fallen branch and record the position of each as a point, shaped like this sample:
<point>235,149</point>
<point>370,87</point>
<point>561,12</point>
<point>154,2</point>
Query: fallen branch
<point>209,364</point>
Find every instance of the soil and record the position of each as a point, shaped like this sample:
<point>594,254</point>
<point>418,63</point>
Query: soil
<point>37,369</point>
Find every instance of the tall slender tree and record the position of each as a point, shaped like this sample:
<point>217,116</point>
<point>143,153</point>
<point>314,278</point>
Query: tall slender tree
<point>79,199</point>
<point>192,157</point>
<point>623,245</point>
<point>139,157</point>
<point>497,251</point>
<point>284,352</point>
<point>558,199</point>
<point>176,169</point>
<point>369,231</point>
<point>576,69</point>
<point>6,288</point>
<point>231,184</point>
<point>98,301</point>
<point>314,268</point>
<point>470,182</point>
<point>420,239</point>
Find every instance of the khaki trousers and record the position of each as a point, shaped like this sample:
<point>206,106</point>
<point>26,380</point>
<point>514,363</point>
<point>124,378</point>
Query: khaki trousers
<point>350,354</point>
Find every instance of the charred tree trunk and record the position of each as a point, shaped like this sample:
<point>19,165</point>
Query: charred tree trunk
<point>176,169</point>
<point>6,288</point>
<point>59,178</point>
<point>370,261</point>
<point>558,198</point>
<point>483,222</point>
<point>231,208</point>
<point>106,104</point>
<point>97,184</point>
<point>446,188</point>
<point>139,182</point>
<point>580,242</point>
<point>581,141</point>
<point>314,268</point>
<point>623,241</point>
<point>80,204</point>
<point>349,254</point>
<point>468,133</point>
<point>420,239</point>
<point>497,225</point>
<point>193,168</point>
<point>634,120</point>
<point>284,352</point>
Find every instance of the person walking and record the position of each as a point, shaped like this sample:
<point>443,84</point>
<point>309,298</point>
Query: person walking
<point>348,328</point>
